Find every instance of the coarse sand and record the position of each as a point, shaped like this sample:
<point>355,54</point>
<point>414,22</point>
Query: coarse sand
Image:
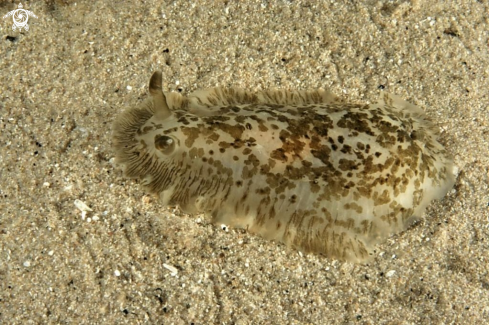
<point>127,260</point>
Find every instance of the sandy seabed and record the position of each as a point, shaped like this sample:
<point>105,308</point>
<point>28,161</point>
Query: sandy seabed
<point>130,260</point>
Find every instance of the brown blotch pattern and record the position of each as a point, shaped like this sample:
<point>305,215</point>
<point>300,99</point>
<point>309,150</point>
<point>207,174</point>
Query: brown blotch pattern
<point>303,168</point>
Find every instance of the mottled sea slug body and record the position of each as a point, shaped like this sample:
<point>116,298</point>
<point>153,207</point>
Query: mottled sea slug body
<point>299,167</point>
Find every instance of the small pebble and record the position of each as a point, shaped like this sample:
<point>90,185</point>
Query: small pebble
<point>390,273</point>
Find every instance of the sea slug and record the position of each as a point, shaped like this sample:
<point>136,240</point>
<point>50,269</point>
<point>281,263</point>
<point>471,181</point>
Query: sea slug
<point>300,167</point>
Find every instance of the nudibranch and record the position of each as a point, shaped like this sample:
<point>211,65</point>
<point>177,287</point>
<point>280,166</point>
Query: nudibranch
<point>300,167</point>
